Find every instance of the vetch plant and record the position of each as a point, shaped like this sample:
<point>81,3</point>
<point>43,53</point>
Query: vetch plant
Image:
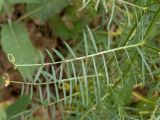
<point>105,75</point>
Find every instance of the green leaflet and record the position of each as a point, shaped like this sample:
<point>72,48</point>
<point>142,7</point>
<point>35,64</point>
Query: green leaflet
<point>15,41</point>
<point>47,8</point>
<point>18,107</point>
<point>3,115</point>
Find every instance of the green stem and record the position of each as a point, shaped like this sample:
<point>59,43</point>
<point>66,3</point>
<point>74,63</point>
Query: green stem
<point>83,57</point>
<point>152,24</point>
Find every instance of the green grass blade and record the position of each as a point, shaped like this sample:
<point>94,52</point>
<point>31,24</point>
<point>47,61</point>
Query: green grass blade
<point>55,84</point>
<point>92,39</point>
<point>85,43</point>
<point>97,78</point>
<point>85,82</point>
<point>70,50</point>
<point>82,91</point>
<point>50,55</point>
<point>38,74</point>
<point>74,72</point>
<point>106,69</point>
<point>145,62</point>
<point>112,14</point>
<point>58,54</point>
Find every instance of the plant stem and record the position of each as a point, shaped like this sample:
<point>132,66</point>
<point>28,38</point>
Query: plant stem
<point>83,57</point>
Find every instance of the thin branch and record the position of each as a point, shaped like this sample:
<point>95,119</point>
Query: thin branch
<point>79,58</point>
<point>55,81</point>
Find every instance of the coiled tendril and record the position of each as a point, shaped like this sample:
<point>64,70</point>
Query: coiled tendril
<point>12,60</point>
